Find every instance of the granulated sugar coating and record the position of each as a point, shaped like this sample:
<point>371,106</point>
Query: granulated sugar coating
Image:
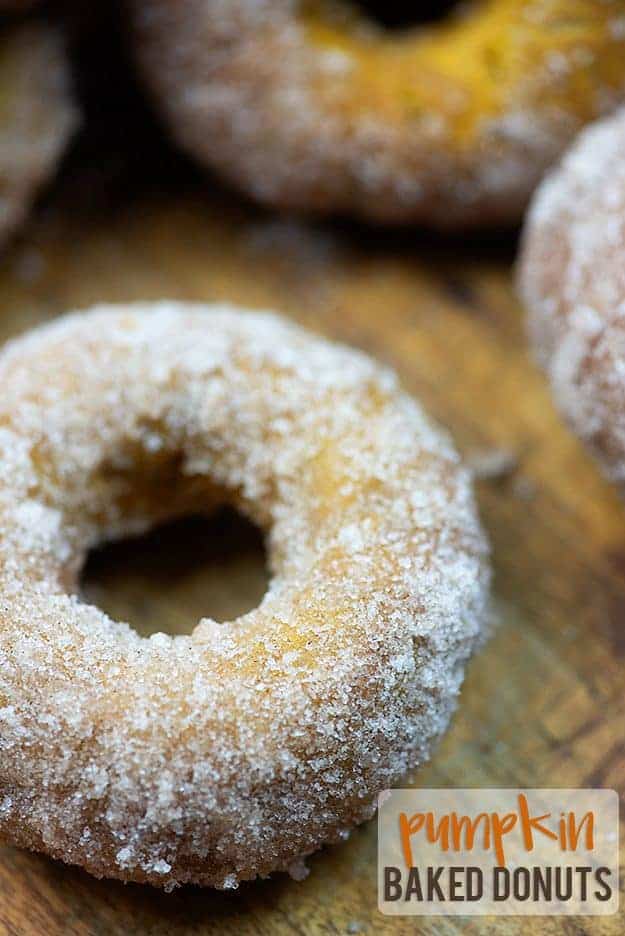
<point>37,116</point>
<point>572,277</point>
<point>310,106</point>
<point>240,749</point>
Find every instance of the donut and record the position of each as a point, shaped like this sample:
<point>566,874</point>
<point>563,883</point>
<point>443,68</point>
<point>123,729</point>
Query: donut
<point>240,749</point>
<point>572,278</point>
<point>311,107</point>
<point>37,117</point>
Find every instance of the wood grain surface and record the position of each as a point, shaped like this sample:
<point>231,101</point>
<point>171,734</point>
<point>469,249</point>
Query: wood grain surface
<point>543,704</point>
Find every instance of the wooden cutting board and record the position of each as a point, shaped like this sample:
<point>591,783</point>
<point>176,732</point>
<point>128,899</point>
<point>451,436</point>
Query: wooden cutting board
<point>543,704</point>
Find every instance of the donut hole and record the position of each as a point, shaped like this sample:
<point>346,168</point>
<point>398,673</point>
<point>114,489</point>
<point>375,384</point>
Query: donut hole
<point>402,15</point>
<point>182,570</point>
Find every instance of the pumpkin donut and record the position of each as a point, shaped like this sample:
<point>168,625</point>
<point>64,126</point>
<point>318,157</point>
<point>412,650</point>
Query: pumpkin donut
<point>308,106</point>
<point>572,279</point>
<point>237,750</point>
<point>37,117</point>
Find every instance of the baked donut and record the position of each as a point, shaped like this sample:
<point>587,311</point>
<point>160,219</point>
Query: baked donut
<point>308,106</point>
<point>235,751</point>
<point>572,279</point>
<point>37,116</point>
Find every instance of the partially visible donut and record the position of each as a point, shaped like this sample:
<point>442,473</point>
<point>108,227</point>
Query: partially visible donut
<point>235,751</point>
<point>572,279</point>
<point>309,106</point>
<point>37,116</point>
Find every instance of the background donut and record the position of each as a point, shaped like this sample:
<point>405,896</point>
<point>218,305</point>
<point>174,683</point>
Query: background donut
<point>572,279</point>
<point>37,116</point>
<point>310,107</point>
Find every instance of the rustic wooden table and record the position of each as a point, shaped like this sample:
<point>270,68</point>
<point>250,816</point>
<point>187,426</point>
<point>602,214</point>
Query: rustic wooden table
<point>543,703</point>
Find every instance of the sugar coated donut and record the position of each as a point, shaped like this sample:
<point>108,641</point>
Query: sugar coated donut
<point>37,117</point>
<point>572,278</point>
<point>309,106</point>
<point>237,750</point>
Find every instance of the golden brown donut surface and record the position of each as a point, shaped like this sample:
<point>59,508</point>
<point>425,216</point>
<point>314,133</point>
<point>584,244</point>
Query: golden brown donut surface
<point>37,116</point>
<point>572,278</point>
<point>308,106</point>
<point>243,747</point>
